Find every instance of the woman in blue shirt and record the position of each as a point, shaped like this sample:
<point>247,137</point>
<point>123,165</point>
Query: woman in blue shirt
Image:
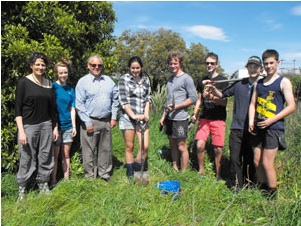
<point>65,100</point>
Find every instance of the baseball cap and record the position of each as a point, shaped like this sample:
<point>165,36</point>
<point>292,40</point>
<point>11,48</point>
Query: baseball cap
<point>254,60</point>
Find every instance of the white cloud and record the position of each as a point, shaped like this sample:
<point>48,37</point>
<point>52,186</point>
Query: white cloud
<point>208,32</point>
<point>272,25</point>
<point>292,55</point>
<point>296,10</point>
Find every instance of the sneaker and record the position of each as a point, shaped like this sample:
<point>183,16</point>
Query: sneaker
<point>21,193</point>
<point>43,187</point>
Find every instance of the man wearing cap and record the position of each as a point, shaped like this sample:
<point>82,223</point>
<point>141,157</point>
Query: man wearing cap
<point>241,153</point>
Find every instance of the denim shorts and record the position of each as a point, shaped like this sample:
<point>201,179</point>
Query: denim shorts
<point>65,136</point>
<point>126,123</point>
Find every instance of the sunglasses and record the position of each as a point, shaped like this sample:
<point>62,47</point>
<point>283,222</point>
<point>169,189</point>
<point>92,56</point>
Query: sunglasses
<point>94,65</point>
<point>212,63</point>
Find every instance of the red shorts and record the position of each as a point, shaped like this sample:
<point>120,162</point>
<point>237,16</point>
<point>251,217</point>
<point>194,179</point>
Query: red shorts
<point>214,127</point>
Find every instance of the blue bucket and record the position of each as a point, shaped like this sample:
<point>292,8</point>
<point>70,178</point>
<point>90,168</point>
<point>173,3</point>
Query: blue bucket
<point>169,186</point>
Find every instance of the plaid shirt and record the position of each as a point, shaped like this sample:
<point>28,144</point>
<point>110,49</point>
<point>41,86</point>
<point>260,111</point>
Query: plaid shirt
<point>133,93</point>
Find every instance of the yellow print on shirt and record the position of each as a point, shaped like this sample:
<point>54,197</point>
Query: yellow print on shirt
<point>265,108</point>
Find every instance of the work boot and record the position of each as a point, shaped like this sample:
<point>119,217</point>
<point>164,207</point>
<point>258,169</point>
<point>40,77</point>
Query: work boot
<point>21,193</point>
<point>130,170</point>
<point>43,187</point>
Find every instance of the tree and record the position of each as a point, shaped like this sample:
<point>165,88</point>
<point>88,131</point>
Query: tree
<point>152,47</point>
<point>59,29</point>
<point>195,65</point>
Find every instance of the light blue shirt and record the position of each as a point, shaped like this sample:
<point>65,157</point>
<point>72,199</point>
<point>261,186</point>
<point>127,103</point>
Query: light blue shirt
<point>96,97</point>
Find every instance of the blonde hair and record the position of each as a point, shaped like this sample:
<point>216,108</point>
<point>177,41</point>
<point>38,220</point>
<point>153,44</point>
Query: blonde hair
<point>65,62</point>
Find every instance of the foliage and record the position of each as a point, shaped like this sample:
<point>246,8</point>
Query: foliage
<point>152,47</point>
<point>296,83</point>
<point>59,29</point>
<point>158,100</point>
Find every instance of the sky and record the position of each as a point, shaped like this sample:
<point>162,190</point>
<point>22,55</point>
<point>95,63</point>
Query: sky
<point>234,30</point>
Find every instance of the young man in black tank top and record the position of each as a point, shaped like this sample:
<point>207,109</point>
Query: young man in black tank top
<point>266,119</point>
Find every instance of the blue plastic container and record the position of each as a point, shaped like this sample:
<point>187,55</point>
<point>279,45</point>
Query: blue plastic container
<point>169,186</point>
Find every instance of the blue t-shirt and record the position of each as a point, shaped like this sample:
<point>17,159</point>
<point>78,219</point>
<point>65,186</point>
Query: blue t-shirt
<point>65,99</point>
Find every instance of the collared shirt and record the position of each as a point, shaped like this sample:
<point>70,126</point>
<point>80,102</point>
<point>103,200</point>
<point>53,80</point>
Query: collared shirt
<point>133,93</point>
<point>96,97</point>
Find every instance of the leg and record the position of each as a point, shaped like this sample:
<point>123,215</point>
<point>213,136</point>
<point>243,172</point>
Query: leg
<point>268,158</point>
<point>217,128</point>
<point>54,172</point>
<point>46,153</point>
<point>201,155</point>
<point>182,147</point>
<point>248,163</point>
<point>258,165</point>
<point>174,153</point>
<point>218,157</point>
<point>66,159</point>
<point>129,138</point>
<point>146,144</point>
<point>88,146</point>
<point>235,145</point>
<point>28,156</point>
<point>104,147</point>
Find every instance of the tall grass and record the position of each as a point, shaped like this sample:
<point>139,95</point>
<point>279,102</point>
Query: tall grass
<point>202,201</point>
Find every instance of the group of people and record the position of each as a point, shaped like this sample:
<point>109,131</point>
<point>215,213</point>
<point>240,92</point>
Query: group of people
<point>257,130</point>
<point>46,118</point>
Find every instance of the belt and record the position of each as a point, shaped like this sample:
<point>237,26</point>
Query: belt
<point>100,119</point>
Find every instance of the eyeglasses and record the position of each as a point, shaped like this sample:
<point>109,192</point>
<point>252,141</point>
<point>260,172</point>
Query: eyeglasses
<point>94,65</point>
<point>212,63</point>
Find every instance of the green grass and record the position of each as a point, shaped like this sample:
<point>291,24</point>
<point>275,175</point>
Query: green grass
<point>202,201</point>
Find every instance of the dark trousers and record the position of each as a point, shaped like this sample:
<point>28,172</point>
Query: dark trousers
<point>241,155</point>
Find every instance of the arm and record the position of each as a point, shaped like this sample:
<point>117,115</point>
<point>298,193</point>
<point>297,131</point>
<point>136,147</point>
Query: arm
<point>80,100</point>
<point>115,106</point>
<point>252,111</point>
<point>216,95</point>
<point>19,95</point>
<point>197,108</point>
<point>73,120</point>
<point>22,135</point>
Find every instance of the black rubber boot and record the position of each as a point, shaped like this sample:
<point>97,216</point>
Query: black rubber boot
<point>138,165</point>
<point>130,170</point>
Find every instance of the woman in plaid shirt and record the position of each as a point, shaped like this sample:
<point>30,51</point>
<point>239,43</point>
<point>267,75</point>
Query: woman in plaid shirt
<point>134,97</point>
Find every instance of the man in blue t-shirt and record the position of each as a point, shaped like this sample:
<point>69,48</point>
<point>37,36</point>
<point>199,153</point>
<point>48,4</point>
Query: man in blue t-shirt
<point>241,153</point>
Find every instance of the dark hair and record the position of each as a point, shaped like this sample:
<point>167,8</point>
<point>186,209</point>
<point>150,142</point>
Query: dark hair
<point>175,54</point>
<point>270,53</point>
<point>135,59</point>
<point>212,55</point>
<point>38,55</point>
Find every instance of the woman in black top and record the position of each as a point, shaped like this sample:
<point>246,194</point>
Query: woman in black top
<point>36,118</point>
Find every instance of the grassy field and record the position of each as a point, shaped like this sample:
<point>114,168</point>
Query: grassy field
<point>202,201</point>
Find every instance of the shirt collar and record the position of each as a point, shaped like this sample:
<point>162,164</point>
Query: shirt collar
<point>93,78</point>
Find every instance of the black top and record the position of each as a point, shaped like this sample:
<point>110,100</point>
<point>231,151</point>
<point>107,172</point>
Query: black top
<point>35,103</point>
<point>208,109</point>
